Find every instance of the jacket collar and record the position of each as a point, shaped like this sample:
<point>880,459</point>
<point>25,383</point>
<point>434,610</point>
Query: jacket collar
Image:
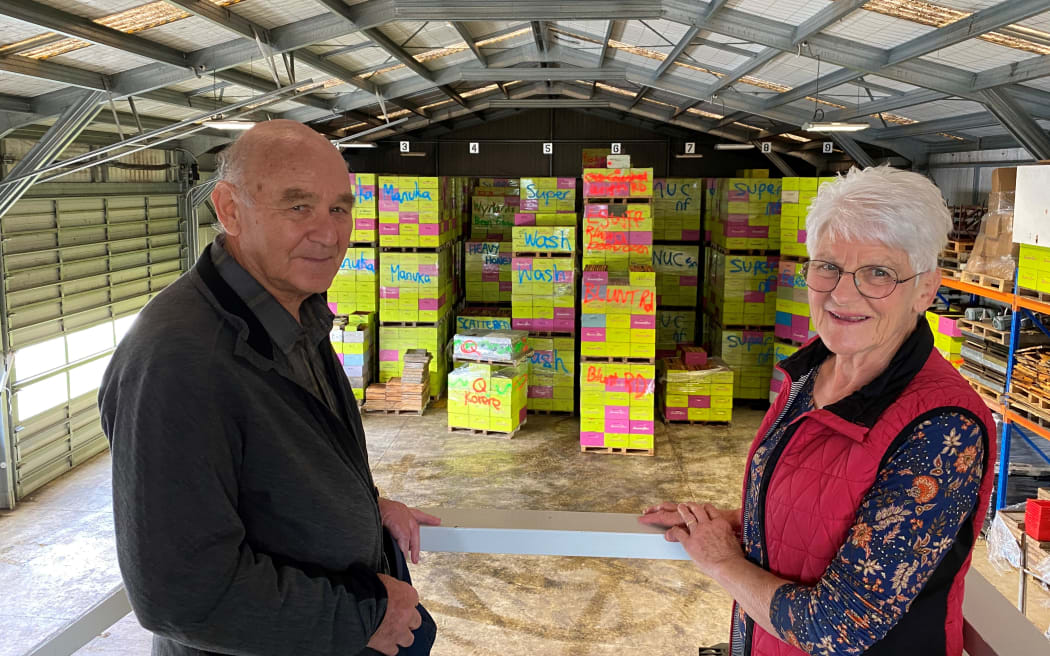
<point>864,407</point>
<point>228,300</point>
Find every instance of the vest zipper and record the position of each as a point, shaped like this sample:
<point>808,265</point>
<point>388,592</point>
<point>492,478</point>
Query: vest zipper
<point>796,388</point>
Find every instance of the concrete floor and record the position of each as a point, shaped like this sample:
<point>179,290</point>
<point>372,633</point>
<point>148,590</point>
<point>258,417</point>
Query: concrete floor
<point>57,552</point>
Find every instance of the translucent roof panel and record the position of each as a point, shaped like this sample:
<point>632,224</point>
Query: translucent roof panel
<point>464,56</point>
<point>362,59</point>
<point>978,55</point>
<point>394,75</point>
<point>101,59</point>
<point>189,34</point>
<point>941,109</point>
<point>653,34</point>
<point>12,31</point>
<point>716,57</point>
<point>968,5</point>
<point>877,29</point>
<point>93,8</point>
<point>792,71</point>
<point>892,84</point>
<point>631,59</point>
<point>274,14</point>
<point>786,11</point>
<point>432,36</point>
<point>990,131</point>
<point>17,85</point>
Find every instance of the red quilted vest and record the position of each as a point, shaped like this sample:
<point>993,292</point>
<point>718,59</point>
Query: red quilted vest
<point>833,458</point>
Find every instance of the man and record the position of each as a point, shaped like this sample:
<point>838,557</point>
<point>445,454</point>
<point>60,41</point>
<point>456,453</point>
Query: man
<point>246,516</point>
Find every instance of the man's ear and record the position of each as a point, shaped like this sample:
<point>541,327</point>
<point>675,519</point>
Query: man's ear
<point>227,207</point>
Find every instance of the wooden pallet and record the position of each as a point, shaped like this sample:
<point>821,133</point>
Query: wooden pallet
<point>617,450</point>
<point>485,433</point>
<point>618,200</point>
<point>1033,294</point>
<point>1031,397</point>
<point>362,244</point>
<point>985,330</point>
<point>1037,417</point>
<point>497,363</point>
<point>614,360</point>
<point>410,324</point>
<point>549,334</point>
<point>416,249</point>
<point>561,255</point>
<point>412,413</point>
<point>988,395</point>
<point>959,246</point>
<point>554,413</point>
<point>951,273</point>
<point>694,422</point>
<point>988,282</point>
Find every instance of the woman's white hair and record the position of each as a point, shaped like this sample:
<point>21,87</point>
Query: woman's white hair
<point>900,209</point>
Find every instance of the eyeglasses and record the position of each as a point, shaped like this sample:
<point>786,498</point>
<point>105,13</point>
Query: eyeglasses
<point>872,281</point>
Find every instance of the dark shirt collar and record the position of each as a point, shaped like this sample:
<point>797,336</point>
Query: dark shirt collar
<point>283,329</point>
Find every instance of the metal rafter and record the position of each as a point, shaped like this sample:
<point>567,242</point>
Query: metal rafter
<point>540,74</point>
<point>464,34</point>
<point>669,61</point>
<point>951,124</point>
<point>756,62</point>
<point>685,108</point>
<point>889,104</point>
<point>384,42</point>
<point>827,82</point>
<point>824,18</point>
<point>1020,124</point>
<point>976,24</point>
<point>853,149</point>
<point>777,160</point>
<point>713,7</point>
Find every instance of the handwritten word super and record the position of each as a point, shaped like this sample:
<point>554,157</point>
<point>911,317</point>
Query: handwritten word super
<point>757,188</point>
<point>546,195</point>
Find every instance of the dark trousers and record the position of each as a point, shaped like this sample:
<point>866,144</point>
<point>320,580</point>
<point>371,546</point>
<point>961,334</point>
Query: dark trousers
<point>428,629</point>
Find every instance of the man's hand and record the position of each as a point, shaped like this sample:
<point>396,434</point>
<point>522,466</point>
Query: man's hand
<point>401,619</point>
<point>403,523</point>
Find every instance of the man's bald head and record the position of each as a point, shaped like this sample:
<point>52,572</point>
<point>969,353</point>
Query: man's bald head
<point>272,143</point>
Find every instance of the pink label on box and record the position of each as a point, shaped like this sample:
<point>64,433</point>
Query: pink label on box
<point>801,237</point>
<point>521,324</point>
<point>340,356</point>
<point>566,183</point>
<point>389,292</point>
<point>530,204</point>
<point>428,304</point>
<point>386,205</point>
<point>643,322</point>
<point>753,336</point>
<point>736,230</point>
<point>564,313</point>
<point>364,224</point>
<point>699,401</point>
<point>408,217</point>
<point>564,326</point>
<point>621,426</point>
<point>615,384</point>
<point>758,232</point>
<point>596,277</point>
<point>690,235</point>
<point>506,286</point>
<point>617,413</point>
<point>388,229</point>
<point>388,355</point>
<point>641,427</point>
<point>775,385</point>
<point>688,281</point>
<point>592,335</point>
<point>799,322</point>
<point>429,229</point>
<point>541,391</point>
<point>707,235</point>
<point>428,269</point>
<point>640,237</point>
<point>784,332</point>
<point>595,211</point>
<point>947,326</point>
<point>333,307</point>
<point>591,438</point>
<point>738,196</point>
<point>521,264</point>
<point>676,414</point>
<point>524,219</point>
<point>543,324</point>
<point>490,276</point>
<point>754,297</point>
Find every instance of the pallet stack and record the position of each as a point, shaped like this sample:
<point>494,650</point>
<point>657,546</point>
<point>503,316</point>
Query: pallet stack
<point>543,303</point>
<point>352,338</point>
<point>410,213</point>
<point>947,338</point>
<point>405,394</point>
<point>1030,386</point>
<point>985,352</point>
<point>487,271</point>
<point>483,318</point>
<point>365,212</point>
<point>488,385</point>
<point>741,271</point>
<point>695,391</point>
<point>548,196</point>
<point>493,204</point>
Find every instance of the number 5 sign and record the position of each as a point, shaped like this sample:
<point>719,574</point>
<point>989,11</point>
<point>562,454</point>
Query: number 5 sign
<point>548,148</point>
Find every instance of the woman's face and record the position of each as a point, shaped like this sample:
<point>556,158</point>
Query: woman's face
<point>852,324</point>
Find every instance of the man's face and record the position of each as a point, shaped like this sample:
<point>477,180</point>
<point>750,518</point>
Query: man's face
<point>293,221</point>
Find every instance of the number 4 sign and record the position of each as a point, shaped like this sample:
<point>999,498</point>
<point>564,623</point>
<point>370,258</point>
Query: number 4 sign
<point>474,149</point>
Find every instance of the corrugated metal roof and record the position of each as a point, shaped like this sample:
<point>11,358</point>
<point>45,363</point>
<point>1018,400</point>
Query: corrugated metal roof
<point>788,11</point>
<point>101,59</point>
<point>188,34</point>
<point>93,8</point>
<point>978,55</point>
<point>877,29</point>
<point>941,109</point>
<point>792,70</point>
<point>716,57</point>
<point>274,14</point>
<point>27,87</point>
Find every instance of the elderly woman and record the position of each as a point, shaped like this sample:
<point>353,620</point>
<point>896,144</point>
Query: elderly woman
<point>867,482</point>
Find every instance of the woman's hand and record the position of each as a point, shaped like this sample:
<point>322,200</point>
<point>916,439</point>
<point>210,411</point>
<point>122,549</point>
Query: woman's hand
<point>666,515</point>
<point>707,537</point>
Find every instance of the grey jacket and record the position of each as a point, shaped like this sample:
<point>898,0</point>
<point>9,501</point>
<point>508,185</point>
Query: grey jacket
<point>246,516</point>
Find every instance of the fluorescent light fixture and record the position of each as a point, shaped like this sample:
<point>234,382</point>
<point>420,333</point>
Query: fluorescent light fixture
<point>229,125</point>
<point>352,144</point>
<point>734,146</point>
<point>416,153</point>
<point>833,126</point>
<point>689,156</point>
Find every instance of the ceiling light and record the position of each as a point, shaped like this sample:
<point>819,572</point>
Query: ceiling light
<point>414,154</point>
<point>229,125</point>
<point>734,146</point>
<point>689,156</point>
<point>357,145</point>
<point>833,126</point>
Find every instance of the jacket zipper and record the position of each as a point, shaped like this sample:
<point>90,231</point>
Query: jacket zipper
<point>760,511</point>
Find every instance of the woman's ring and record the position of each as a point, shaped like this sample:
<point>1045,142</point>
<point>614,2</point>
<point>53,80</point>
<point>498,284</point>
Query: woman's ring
<point>690,523</point>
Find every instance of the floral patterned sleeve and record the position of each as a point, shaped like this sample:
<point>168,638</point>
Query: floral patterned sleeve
<point>907,522</point>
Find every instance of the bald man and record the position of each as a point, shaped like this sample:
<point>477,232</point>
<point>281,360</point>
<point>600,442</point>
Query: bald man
<point>247,520</point>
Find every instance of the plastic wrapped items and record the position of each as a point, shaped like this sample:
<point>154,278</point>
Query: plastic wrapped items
<point>618,318</point>
<point>490,345</point>
<point>994,251</point>
<point>750,354</point>
<point>486,397</point>
<point>492,211</point>
<point>543,294</point>
<point>617,405</point>
<point>742,288</point>
<point>1033,268</point>
<point>617,235</point>
<point>548,195</point>
<point>487,271</point>
<point>355,287</point>
<point>674,328</point>
<point>415,287</point>
<point>792,304</point>
<point>352,338</point>
<point>676,275</point>
<point>694,392</point>
<point>676,209</point>
<point>947,338</point>
<point>365,212</point>
<point>394,341</point>
<point>559,240</point>
<point>618,183</point>
<point>410,213</point>
<point>483,318</point>
<point>552,374</point>
<point>748,214</point>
